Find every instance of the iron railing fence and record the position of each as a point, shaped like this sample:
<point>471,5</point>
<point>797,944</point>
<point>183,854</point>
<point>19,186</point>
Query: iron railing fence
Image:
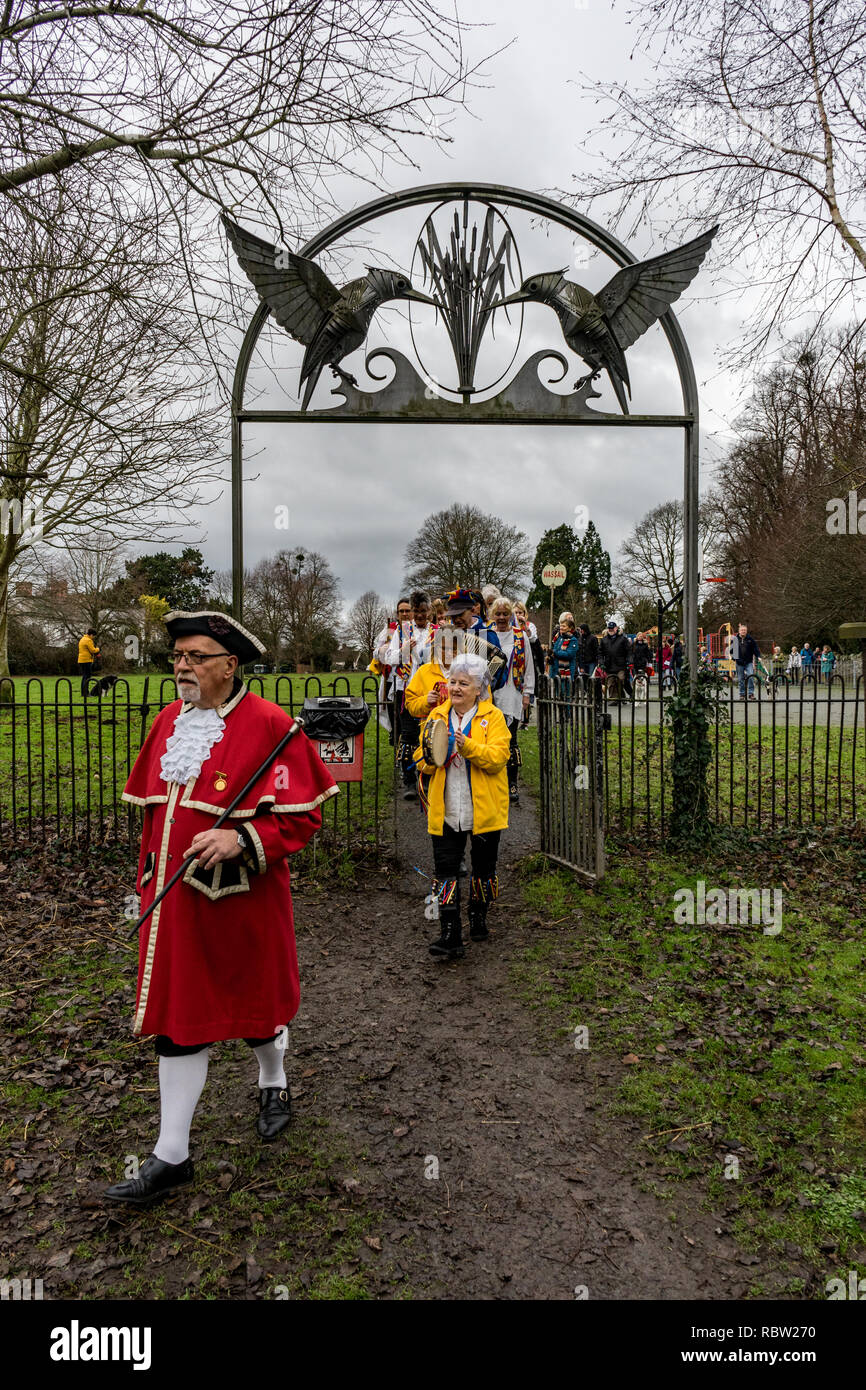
<point>64,761</point>
<point>793,756</point>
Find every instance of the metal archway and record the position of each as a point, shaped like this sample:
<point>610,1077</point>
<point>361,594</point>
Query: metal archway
<point>555,212</point>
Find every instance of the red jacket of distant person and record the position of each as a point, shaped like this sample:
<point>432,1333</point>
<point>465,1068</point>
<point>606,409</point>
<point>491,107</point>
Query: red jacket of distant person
<point>217,956</point>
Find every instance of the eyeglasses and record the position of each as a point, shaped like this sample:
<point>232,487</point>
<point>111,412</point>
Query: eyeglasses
<point>194,658</point>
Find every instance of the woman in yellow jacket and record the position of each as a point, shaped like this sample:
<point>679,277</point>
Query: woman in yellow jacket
<point>428,686</point>
<point>468,796</point>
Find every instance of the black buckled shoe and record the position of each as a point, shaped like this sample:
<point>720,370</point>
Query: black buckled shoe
<point>275,1112</point>
<point>155,1179</point>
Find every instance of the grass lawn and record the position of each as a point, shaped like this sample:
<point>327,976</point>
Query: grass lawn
<point>743,1054</point>
<point>756,777</point>
<point>64,761</point>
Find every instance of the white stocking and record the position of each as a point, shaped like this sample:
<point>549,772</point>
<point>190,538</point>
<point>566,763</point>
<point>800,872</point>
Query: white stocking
<point>271,1057</point>
<point>181,1082</point>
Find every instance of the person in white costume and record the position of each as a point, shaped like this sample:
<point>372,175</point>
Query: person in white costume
<point>514,695</point>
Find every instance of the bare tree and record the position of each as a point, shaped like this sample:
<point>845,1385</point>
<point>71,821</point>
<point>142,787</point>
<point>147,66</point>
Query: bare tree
<point>294,603</point>
<point>229,103</point>
<point>462,545</point>
<point>83,589</point>
<point>651,564</point>
<point>268,606</point>
<point>757,120</point>
<point>789,493</point>
<point>109,425</point>
<point>367,616</point>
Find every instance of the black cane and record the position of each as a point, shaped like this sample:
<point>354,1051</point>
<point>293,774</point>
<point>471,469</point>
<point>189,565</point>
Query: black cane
<point>298,724</point>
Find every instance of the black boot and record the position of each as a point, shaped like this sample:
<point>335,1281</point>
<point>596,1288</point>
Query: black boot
<point>478,924</point>
<point>450,944</point>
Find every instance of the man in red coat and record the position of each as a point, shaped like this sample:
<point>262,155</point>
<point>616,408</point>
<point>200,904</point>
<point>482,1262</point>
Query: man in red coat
<point>217,956</point>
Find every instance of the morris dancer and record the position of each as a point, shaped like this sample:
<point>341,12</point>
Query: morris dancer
<point>429,685</point>
<point>467,796</point>
<point>217,956</point>
<point>521,620</point>
<point>381,654</point>
<point>409,648</point>
<point>514,695</point>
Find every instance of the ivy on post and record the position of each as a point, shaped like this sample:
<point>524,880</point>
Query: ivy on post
<point>690,714</point>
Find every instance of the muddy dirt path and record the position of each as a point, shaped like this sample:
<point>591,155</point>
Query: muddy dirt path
<point>489,1146</point>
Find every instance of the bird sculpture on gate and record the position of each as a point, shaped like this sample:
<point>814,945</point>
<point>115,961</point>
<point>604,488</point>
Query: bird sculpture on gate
<point>330,322</point>
<point>599,327</point>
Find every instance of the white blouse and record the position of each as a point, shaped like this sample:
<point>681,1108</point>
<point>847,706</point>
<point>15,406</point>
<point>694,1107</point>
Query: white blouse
<point>508,698</point>
<point>459,813</point>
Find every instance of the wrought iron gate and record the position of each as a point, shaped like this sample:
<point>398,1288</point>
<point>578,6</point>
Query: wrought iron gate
<point>465,267</point>
<point>571,722</point>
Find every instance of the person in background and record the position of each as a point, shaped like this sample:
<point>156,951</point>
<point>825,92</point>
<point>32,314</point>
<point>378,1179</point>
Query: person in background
<point>828,663</point>
<point>461,611</point>
<point>566,649</point>
<point>428,686</point>
<point>521,621</point>
<point>667,656</point>
<point>87,650</point>
<point>793,667</point>
<point>587,658</point>
<point>615,655</point>
<point>381,665</point>
<point>641,656</point>
<point>677,652</point>
<point>514,694</point>
<point>437,611</point>
<point>747,656</point>
<point>488,594</point>
<point>520,618</point>
<point>409,648</point>
<point>807,658</point>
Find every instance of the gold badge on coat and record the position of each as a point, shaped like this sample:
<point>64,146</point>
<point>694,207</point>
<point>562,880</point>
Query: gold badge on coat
<point>220,781</point>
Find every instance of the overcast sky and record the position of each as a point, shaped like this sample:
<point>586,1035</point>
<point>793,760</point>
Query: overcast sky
<point>359,493</point>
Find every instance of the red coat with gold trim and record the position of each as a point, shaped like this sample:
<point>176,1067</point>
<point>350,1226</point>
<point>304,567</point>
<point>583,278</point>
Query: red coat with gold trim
<point>217,957</point>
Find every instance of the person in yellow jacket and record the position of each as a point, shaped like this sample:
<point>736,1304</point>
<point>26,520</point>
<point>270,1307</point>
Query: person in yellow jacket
<point>429,685</point>
<point>468,796</point>
<point>87,650</point>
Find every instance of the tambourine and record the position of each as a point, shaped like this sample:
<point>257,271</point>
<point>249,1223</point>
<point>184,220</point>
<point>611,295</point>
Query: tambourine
<point>434,742</point>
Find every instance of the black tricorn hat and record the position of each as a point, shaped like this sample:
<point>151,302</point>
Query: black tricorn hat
<point>221,627</point>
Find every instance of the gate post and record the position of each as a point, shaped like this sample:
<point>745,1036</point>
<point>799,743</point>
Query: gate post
<point>598,723</point>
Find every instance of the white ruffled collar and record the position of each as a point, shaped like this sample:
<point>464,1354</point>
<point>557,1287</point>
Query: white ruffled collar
<point>195,733</point>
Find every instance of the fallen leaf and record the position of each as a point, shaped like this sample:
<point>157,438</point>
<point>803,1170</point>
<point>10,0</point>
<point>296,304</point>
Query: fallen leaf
<point>373,1241</point>
<point>630,1058</point>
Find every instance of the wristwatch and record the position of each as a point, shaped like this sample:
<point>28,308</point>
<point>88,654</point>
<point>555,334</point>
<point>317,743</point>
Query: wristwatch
<point>242,840</point>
